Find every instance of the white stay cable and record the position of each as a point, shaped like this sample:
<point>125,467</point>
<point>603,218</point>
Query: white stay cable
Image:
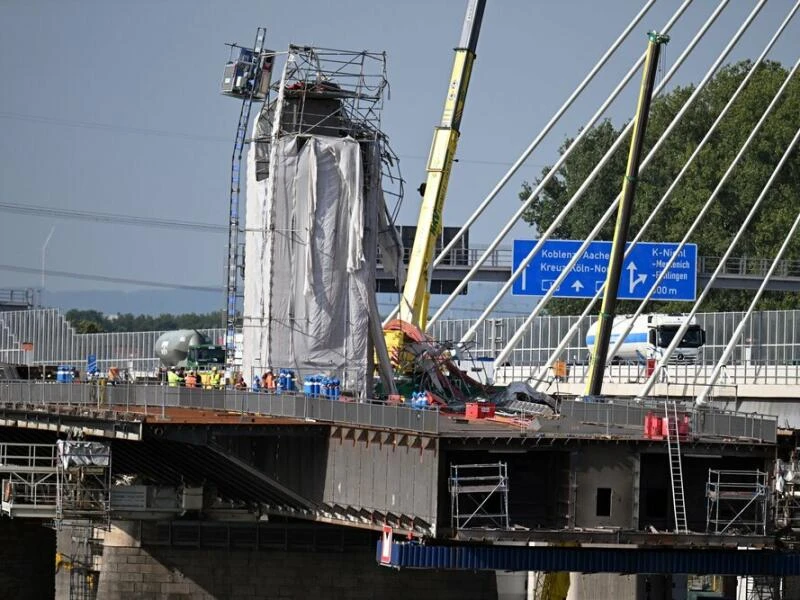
<point>693,226</point>
<point>648,386</point>
<point>537,140</point>
<point>723,360</point>
<point>682,330</point>
<point>612,208</point>
<point>584,186</point>
<point>553,171</point>
<point>678,178</point>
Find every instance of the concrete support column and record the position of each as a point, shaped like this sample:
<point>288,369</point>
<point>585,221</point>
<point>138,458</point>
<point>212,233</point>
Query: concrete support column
<point>133,569</point>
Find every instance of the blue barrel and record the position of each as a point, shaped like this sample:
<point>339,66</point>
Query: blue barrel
<point>69,374</point>
<point>290,380</point>
<point>282,379</point>
<point>60,374</point>
<point>336,390</point>
<point>308,385</point>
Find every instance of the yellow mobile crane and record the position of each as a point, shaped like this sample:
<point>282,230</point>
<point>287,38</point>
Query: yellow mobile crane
<point>414,302</point>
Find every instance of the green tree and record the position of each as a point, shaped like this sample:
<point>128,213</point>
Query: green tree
<point>88,327</point>
<point>715,232</point>
<point>93,321</point>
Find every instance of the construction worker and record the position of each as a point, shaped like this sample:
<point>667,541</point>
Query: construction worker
<point>216,379</point>
<point>191,380</point>
<point>173,379</point>
<point>240,384</point>
<point>269,381</point>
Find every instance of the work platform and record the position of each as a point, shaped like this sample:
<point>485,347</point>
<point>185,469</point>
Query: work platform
<point>127,407</point>
<point>255,455</point>
<point>236,461</point>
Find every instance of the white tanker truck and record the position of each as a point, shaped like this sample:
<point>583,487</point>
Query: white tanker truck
<point>650,336</point>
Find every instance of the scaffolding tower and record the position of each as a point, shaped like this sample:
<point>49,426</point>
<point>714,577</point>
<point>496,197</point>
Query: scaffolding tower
<point>330,92</point>
<point>479,496</point>
<point>320,92</point>
<point>67,484</point>
<point>736,501</point>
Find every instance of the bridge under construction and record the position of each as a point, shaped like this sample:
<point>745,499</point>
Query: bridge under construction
<point>676,474</point>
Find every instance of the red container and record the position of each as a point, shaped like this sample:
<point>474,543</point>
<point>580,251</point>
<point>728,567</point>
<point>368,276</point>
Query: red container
<point>684,427</point>
<point>653,426</point>
<point>650,366</point>
<point>480,410</point>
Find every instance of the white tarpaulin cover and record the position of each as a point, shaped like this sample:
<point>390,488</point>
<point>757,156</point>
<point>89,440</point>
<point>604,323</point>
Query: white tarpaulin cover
<point>82,453</point>
<point>311,235</point>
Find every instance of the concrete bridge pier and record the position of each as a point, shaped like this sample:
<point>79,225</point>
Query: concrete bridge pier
<point>188,567</point>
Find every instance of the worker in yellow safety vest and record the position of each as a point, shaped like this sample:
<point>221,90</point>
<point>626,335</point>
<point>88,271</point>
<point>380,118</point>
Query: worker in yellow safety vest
<point>173,379</point>
<point>216,379</point>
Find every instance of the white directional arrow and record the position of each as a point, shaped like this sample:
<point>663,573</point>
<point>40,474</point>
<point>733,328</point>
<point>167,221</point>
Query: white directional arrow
<point>577,286</point>
<point>633,279</point>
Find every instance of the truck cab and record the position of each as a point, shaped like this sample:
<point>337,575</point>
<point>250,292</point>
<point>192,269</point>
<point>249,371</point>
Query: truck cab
<point>204,357</point>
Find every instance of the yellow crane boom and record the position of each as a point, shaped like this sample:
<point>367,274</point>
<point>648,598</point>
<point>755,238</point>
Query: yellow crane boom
<point>414,302</point>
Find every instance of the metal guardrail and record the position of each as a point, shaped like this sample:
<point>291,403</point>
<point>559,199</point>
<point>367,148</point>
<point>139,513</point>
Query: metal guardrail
<point>157,398</point>
<point>677,374</point>
<point>26,297</point>
<point>711,422</point>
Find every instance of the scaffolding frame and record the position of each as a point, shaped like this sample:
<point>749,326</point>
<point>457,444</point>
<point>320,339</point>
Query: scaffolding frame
<point>762,588</point>
<point>475,490</point>
<point>30,485</point>
<point>356,81</point>
<point>736,500</point>
<point>83,474</point>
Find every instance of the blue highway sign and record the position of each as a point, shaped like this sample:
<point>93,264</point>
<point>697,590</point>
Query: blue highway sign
<point>639,270</point>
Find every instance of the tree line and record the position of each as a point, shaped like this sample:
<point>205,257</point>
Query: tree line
<point>716,231</point>
<point>94,321</point>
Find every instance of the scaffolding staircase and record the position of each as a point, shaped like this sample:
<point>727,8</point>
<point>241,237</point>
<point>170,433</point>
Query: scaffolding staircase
<point>235,259</point>
<point>675,466</point>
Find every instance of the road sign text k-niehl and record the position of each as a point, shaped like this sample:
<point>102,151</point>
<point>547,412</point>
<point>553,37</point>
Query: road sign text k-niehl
<point>639,270</point>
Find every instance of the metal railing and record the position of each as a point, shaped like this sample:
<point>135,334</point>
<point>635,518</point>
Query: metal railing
<point>156,399</point>
<point>675,374</point>
<point>29,476</point>
<point>707,423</point>
<point>502,257</point>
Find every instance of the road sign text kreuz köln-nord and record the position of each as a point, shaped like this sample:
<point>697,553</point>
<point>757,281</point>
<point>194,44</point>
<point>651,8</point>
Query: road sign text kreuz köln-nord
<point>639,270</point>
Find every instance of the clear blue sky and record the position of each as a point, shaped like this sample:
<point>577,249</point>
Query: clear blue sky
<point>113,106</point>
